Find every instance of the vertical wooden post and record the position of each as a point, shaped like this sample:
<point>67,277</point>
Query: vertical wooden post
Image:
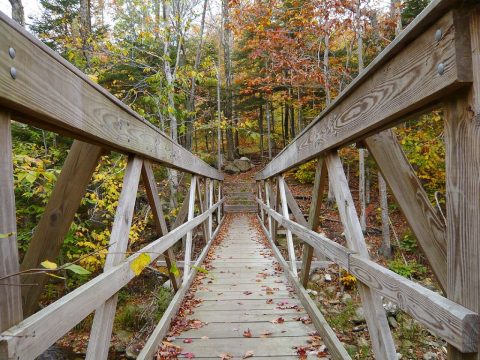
<point>319,187</point>
<point>10,294</point>
<point>462,139</point>
<point>210,205</point>
<point>267,198</point>
<point>188,246</point>
<point>101,333</point>
<point>151,189</point>
<point>202,205</point>
<point>260,196</point>
<point>380,335</point>
<point>49,235</point>
<point>290,247</point>
<point>219,209</point>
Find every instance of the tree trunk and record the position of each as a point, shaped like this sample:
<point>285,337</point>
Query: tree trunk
<point>219,125</point>
<point>17,12</point>
<point>260,129</point>
<point>191,97</point>
<point>269,134</point>
<point>85,29</point>
<point>386,247</point>
<point>286,114</point>
<point>226,43</point>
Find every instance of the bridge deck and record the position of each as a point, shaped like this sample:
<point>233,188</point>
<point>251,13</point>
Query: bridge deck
<point>247,304</point>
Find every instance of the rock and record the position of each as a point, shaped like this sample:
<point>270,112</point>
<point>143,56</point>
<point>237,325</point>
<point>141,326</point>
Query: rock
<point>399,356</point>
<point>242,165</point>
<point>313,292</point>
<point>316,277</point>
<point>346,298</point>
<point>328,278</point>
<point>351,349</point>
<point>359,317</point>
<point>359,328</point>
<point>390,308</point>
<point>393,322</point>
<point>429,356</point>
<point>362,342</point>
<point>132,350</point>
<point>244,158</point>
<point>231,169</point>
<point>52,353</point>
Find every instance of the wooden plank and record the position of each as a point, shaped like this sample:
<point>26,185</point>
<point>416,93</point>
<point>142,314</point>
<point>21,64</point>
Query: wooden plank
<point>241,295</point>
<point>106,120</point>
<point>247,304</point>
<point>291,249</point>
<point>53,321</point>
<point>243,316</point>
<point>402,80</point>
<point>380,335</point>
<point>191,212</point>
<point>148,179</point>
<point>161,329</point>
<point>458,324</point>
<point>10,294</point>
<point>57,218</point>
<point>423,219</point>
<point>335,347</point>
<point>101,333</point>
<point>266,347</point>
<point>228,330</point>
<point>462,157</point>
<point>319,186</point>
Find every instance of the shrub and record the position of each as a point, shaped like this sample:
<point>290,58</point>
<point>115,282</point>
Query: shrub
<point>306,172</point>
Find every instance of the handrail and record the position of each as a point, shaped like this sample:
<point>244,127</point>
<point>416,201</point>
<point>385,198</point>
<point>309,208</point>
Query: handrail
<point>32,336</point>
<point>51,93</point>
<point>458,325</point>
<point>397,83</point>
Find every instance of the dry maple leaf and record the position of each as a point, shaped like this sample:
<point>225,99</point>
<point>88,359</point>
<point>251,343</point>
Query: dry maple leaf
<point>189,355</point>
<point>248,354</point>
<point>280,320</point>
<point>269,301</point>
<point>247,333</point>
<point>225,356</point>
<point>187,341</point>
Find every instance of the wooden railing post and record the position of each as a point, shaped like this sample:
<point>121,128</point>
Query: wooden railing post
<point>210,204</point>
<point>267,198</point>
<point>101,333</point>
<point>290,247</point>
<point>10,295</point>
<point>462,140</point>
<point>260,196</point>
<point>188,246</point>
<point>49,235</point>
<point>380,335</point>
<point>151,189</point>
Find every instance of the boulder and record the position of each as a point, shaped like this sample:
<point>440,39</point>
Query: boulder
<point>243,165</point>
<point>231,169</point>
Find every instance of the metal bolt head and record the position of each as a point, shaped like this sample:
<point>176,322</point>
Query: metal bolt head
<point>438,35</point>
<point>11,52</point>
<point>13,72</point>
<point>441,68</point>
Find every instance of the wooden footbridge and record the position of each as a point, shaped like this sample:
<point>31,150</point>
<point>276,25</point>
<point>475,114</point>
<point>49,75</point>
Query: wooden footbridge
<point>434,62</point>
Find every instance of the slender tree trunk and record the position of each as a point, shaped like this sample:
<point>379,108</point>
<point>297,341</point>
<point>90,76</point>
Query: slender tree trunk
<point>226,43</point>
<point>191,97</point>
<point>386,246</point>
<point>17,12</point>
<point>85,29</point>
<point>299,116</point>
<point>219,119</point>
<point>269,134</point>
<point>260,129</point>
<point>286,113</point>
<point>292,122</point>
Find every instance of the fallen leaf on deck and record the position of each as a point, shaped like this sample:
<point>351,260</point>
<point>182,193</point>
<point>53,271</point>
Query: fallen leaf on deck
<point>248,354</point>
<point>247,333</point>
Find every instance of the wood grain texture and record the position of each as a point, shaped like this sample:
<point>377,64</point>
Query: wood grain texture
<point>423,219</point>
<point>202,205</point>
<point>148,179</point>
<point>57,218</point>
<point>10,294</point>
<point>101,333</point>
<point>188,244</point>
<point>380,335</point>
<point>163,326</point>
<point>86,111</point>
<point>335,347</point>
<point>53,321</point>
<point>382,95</point>
<point>290,248</point>
<point>462,140</point>
<point>440,315</point>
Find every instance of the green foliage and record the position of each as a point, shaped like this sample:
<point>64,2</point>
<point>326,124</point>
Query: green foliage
<point>409,242</point>
<point>130,317</point>
<point>410,270</point>
<point>164,296</point>
<point>342,320</point>
<point>411,8</point>
<point>306,172</point>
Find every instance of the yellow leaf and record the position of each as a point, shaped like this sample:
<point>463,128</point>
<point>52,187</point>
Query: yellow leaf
<point>140,263</point>
<point>49,265</point>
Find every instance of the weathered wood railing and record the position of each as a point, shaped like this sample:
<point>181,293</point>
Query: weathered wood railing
<point>39,87</point>
<point>434,62</point>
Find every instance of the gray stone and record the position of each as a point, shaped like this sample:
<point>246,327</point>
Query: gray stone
<point>133,350</point>
<point>393,322</point>
<point>346,298</point>
<point>362,342</point>
<point>359,317</point>
<point>316,277</point>
<point>351,349</point>
<point>242,165</point>
<point>429,356</point>
<point>231,169</point>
